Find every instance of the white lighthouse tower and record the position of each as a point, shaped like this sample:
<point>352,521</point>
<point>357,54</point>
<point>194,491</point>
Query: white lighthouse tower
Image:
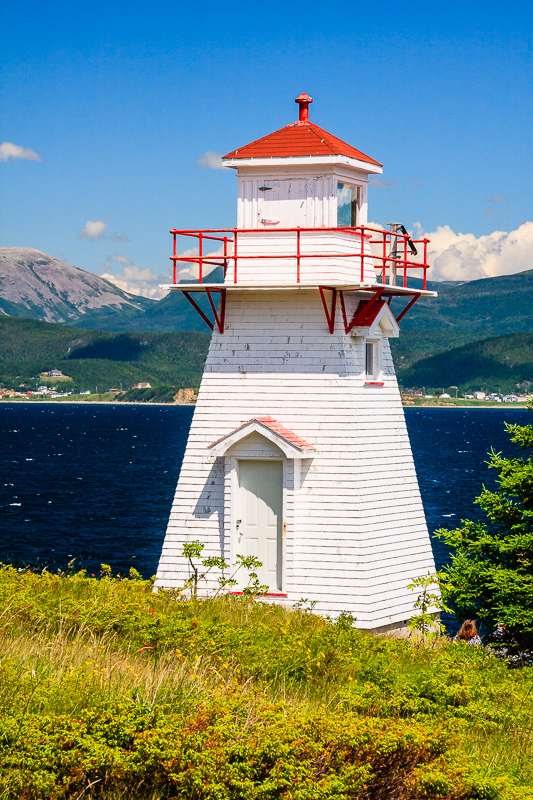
<point>298,451</point>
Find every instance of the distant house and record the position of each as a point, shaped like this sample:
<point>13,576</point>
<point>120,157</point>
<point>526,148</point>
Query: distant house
<point>480,396</point>
<point>54,373</point>
<point>142,386</point>
<point>445,396</point>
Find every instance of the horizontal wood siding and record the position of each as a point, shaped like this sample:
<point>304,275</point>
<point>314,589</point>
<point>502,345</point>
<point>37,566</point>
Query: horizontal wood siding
<point>356,532</point>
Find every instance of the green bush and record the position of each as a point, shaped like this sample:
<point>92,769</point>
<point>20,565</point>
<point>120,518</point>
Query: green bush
<point>150,695</point>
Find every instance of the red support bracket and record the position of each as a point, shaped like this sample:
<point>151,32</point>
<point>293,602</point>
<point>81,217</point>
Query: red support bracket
<point>218,319</point>
<point>348,326</point>
<point>330,315</point>
<point>407,307</point>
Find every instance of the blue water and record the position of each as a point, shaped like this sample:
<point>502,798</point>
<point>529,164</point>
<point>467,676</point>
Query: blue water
<point>96,482</point>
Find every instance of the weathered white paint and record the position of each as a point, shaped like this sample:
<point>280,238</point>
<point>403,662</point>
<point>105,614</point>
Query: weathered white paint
<point>354,532</point>
<point>355,527</point>
<point>299,195</point>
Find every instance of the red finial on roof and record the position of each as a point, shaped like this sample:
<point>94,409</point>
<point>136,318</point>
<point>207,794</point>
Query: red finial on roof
<point>303,101</point>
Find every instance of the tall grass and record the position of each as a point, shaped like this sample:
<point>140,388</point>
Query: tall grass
<point>109,690</point>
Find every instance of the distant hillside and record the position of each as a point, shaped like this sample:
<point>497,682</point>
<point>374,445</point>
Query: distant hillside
<point>486,307</point>
<point>37,286</point>
<point>498,362</point>
<point>34,285</point>
<point>91,358</point>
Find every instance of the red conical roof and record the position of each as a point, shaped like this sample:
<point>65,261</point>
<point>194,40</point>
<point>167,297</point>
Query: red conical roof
<point>302,138</point>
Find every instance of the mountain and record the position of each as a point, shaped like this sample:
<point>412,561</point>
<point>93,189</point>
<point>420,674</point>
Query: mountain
<point>28,348</point>
<point>38,286</point>
<point>498,362</point>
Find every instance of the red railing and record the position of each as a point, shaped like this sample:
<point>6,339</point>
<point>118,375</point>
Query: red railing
<point>388,251</point>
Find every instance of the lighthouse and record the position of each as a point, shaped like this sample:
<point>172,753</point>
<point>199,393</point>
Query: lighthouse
<point>298,452</point>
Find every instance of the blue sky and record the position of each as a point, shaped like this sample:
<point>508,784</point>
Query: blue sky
<point>119,99</point>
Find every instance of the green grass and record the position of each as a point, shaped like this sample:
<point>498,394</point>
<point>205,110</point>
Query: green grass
<point>149,695</point>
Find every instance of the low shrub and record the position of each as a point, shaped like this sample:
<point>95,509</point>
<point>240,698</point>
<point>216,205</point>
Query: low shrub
<point>147,695</point>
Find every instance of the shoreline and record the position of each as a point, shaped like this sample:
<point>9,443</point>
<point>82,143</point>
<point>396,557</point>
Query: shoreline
<point>21,401</point>
<point>500,406</point>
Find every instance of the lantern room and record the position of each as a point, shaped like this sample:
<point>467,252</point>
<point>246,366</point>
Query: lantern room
<point>301,176</point>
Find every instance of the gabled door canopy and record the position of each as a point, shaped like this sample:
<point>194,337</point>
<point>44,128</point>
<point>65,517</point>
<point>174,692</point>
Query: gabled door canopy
<point>290,444</point>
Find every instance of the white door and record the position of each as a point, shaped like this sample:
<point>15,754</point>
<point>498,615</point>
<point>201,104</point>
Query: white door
<point>283,204</point>
<point>259,516</point>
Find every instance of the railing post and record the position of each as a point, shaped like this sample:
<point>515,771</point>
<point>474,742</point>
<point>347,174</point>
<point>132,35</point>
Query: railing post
<point>174,259</point>
<point>200,253</point>
<point>235,256</point>
<point>425,261</point>
<point>405,261</point>
<point>298,255</point>
<point>362,253</point>
<point>225,255</point>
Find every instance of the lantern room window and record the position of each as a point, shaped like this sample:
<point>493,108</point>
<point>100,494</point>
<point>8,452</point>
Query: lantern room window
<point>347,203</point>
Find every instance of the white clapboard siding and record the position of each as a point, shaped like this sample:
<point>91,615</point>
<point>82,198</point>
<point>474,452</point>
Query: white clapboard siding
<point>355,528</point>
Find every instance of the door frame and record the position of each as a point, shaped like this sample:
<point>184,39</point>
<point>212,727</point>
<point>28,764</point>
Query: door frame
<point>233,503</point>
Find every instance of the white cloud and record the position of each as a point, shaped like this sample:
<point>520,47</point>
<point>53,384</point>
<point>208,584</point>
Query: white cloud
<point>210,160</point>
<point>117,258</point>
<point>465,257</point>
<point>134,279</point>
<point>379,183</point>
<point>94,230</point>
<point>10,150</point>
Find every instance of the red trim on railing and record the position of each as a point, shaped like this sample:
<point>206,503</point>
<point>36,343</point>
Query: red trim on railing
<point>373,236</point>
<point>374,383</point>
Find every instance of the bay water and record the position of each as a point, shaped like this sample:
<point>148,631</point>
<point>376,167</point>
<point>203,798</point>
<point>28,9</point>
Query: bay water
<point>96,482</point>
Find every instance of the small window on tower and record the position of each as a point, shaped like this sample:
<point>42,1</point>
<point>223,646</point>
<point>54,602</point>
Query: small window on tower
<point>371,359</point>
<point>347,200</point>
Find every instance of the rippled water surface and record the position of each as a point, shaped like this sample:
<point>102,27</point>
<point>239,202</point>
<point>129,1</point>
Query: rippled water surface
<point>96,482</point>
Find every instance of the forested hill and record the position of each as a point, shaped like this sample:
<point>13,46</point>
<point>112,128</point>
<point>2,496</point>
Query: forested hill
<point>28,348</point>
<point>500,362</point>
<point>486,307</point>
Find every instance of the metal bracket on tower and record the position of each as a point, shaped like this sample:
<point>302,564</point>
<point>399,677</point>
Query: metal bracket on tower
<point>219,320</point>
<point>330,315</point>
<point>407,307</point>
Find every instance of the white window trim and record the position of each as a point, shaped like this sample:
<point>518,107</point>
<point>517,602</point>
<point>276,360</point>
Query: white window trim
<point>377,348</point>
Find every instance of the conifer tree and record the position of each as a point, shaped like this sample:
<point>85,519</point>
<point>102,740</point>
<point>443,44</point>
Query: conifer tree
<point>490,576</point>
